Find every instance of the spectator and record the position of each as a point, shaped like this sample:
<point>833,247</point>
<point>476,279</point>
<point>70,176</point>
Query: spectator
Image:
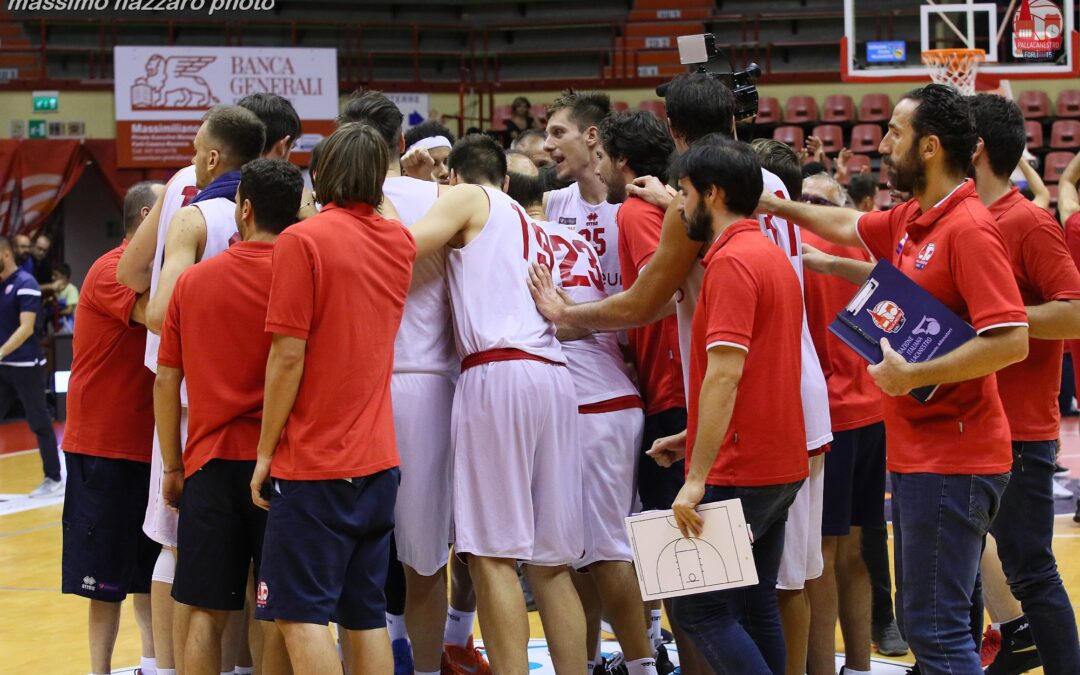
<point>20,244</point>
<point>67,297</point>
<point>531,144</point>
<point>862,189</point>
<point>43,266</point>
<point>521,119</point>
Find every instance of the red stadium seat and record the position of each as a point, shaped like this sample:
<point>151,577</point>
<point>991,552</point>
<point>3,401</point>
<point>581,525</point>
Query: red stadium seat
<point>620,106</point>
<point>831,135</point>
<point>1054,164</point>
<point>499,115</point>
<point>791,135</point>
<point>884,174</point>
<point>768,110</point>
<point>838,108</point>
<point>1065,135</point>
<point>1034,104</point>
<point>1034,134</point>
<point>875,108</point>
<point>865,138</point>
<point>655,107</point>
<point>539,111</point>
<point>855,165</point>
<point>800,109</point>
<point>883,200</point>
<point>1068,103</point>
<point>1053,190</point>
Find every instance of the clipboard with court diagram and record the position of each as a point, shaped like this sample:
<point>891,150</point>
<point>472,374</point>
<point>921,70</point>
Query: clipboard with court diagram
<point>670,565</point>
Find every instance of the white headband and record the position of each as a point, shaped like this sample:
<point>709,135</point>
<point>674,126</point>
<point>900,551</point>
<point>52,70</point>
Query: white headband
<point>430,143</point>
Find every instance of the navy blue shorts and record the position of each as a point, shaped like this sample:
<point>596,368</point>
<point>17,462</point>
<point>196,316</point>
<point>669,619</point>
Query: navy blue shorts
<point>105,554</point>
<point>326,551</point>
<point>219,536</point>
<point>657,486</point>
<point>854,490</point>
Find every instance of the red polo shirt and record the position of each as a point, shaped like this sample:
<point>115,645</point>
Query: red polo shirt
<point>110,399</point>
<point>854,397</point>
<point>214,332</point>
<point>1044,271</point>
<point>340,281</point>
<point>750,299</point>
<point>1072,240</point>
<point>655,346</point>
<point>954,251</point>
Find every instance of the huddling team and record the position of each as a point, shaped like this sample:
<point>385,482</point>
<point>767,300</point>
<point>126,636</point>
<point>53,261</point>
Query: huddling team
<point>349,398</point>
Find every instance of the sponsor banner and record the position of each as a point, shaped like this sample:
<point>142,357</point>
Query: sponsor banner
<point>163,92</point>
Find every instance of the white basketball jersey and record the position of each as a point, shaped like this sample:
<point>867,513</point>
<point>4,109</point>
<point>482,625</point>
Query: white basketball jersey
<point>596,223</point>
<point>489,298</point>
<point>815,394</point>
<point>425,340</point>
<point>595,362</point>
<point>180,192</point>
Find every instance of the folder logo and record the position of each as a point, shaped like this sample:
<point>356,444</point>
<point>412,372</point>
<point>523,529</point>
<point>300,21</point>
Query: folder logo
<point>888,316</point>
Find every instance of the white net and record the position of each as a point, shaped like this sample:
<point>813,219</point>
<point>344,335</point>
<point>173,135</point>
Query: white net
<point>954,67</point>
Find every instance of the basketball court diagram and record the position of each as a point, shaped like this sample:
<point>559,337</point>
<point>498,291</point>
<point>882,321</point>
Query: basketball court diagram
<point>670,565</point>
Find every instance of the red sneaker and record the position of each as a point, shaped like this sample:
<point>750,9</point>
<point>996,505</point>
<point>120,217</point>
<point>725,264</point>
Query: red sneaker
<point>467,660</point>
<point>991,645</point>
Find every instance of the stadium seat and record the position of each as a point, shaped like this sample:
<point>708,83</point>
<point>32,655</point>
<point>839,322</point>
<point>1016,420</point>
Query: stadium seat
<point>831,135</point>
<point>855,165</point>
<point>620,106</point>
<point>1034,135</point>
<point>800,109</point>
<point>1068,103</point>
<point>884,174</point>
<point>865,138</point>
<point>768,110</point>
<point>539,111</point>
<point>499,115</point>
<point>1054,164</point>
<point>1034,104</point>
<point>883,199</point>
<point>791,135</point>
<point>1065,135</point>
<point>838,108</point>
<point>875,108</point>
<point>1053,190</point>
<point>655,107</point>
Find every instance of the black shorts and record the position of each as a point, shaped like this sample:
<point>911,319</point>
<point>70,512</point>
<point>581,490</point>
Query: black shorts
<point>854,490</point>
<point>219,536</point>
<point>326,551</point>
<point>105,553</point>
<point>658,486</point>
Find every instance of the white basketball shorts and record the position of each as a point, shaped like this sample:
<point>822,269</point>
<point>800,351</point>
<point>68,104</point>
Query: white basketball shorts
<point>160,521</point>
<point>802,537</point>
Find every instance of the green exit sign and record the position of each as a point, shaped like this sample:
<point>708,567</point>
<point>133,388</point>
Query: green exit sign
<point>37,129</point>
<point>46,101</point>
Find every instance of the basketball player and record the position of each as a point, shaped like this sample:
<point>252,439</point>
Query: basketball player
<point>327,436</point>
<point>950,457</point>
<point>854,491</point>
<point>422,387</point>
<point>610,421</point>
<point>696,106</point>
<point>746,353</point>
<point>572,139</point>
<point>514,421</point>
<point>1050,288</point>
<point>215,325</point>
<point>140,269</point>
<point>437,140</point>
<point>531,144</point>
<point>108,436</point>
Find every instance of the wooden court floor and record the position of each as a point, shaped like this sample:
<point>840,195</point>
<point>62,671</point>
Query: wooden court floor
<point>42,631</point>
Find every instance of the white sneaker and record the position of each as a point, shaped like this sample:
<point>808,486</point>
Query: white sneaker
<point>1060,491</point>
<point>48,488</point>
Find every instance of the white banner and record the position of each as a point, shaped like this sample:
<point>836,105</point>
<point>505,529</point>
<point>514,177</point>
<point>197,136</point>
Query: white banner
<point>180,83</point>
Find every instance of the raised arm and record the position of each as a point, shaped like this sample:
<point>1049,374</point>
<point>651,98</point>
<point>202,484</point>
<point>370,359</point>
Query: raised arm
<point>457,215</point>
<point>1035,182</point>
<point>1068,201</point>
<point>836,224</point>
<point>183,245</point>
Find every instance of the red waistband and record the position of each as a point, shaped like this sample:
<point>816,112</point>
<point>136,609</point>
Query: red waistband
<point>628,402</point>
<point>502,354</point>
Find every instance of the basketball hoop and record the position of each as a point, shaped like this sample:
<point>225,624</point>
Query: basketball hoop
<point>954,67</point>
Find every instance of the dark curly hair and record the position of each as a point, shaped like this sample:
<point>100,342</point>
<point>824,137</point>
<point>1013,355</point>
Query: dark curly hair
<point>944,113</point>
<point>641,139</point>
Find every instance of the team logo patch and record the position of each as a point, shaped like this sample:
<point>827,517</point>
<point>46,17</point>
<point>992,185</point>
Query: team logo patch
<point>567,221</point>
<point>89,583</point>
<point>888,316</point>
<point>262,594</point>
<point>900,245</point>
<point>592,218</point>
<point>925,253</point>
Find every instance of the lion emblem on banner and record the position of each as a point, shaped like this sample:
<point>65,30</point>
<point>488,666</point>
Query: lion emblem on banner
<point>172,83</point>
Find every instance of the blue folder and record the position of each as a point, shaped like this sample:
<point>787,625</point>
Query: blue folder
<point>891,305</point>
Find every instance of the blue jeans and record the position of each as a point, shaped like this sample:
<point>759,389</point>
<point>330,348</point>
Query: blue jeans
<point>738,631</point>
<point>939,522</point>
<point>1024,530</point>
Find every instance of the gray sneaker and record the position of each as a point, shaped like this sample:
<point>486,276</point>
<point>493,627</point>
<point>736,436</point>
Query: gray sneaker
<point>887,640</point>
<point>48,488</point>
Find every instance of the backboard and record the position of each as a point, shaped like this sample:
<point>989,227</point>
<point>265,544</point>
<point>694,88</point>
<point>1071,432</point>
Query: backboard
<point>1023,39</point>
